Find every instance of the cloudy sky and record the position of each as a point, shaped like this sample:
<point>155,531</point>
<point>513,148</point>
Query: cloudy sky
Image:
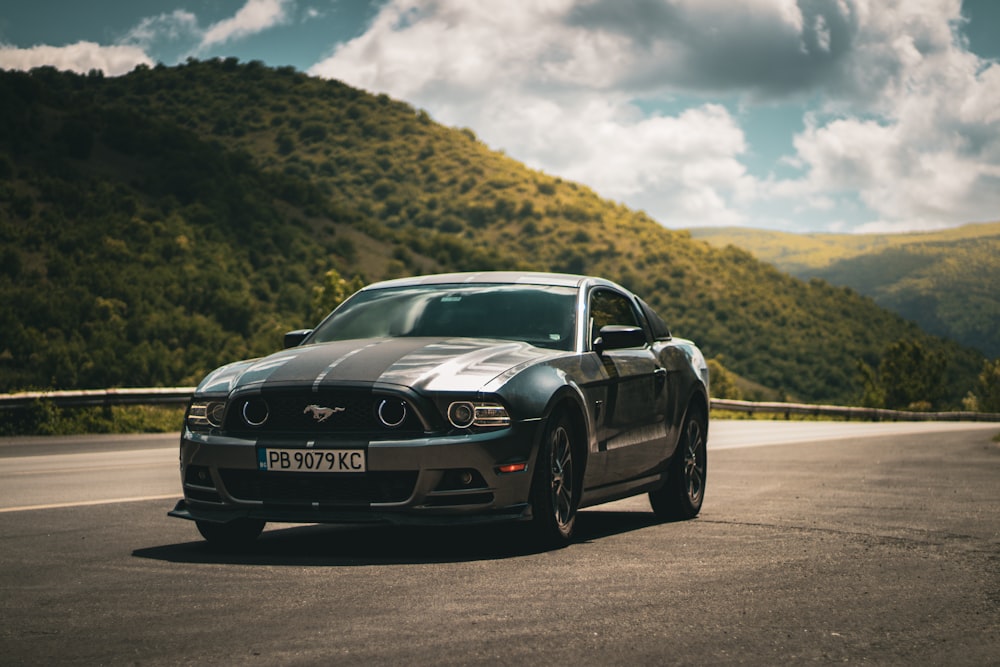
<point>799,115</point>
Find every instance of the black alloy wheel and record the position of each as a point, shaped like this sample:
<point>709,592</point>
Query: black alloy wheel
<point>554,496</point>
<point>681,497</point>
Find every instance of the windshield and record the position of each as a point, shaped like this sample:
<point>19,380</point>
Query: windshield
<point>540,315</point>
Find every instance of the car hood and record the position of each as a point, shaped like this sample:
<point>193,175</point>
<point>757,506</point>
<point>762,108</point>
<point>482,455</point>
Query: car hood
<point>425,364</point>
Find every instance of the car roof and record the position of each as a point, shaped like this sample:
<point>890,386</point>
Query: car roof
<point>497,277</point>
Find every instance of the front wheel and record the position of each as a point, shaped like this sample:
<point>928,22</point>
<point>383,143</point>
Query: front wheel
<point>232,534</point>
<point>681,496</point>
<point>553,493</point>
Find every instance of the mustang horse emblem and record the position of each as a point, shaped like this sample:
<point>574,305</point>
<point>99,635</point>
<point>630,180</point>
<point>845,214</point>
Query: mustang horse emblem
<point>320,413</point>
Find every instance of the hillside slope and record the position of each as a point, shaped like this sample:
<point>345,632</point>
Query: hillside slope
<point>157,224</point>
<point>947,282</point>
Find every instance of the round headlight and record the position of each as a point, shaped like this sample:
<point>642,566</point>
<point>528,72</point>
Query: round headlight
<point>215,413</point>
<point>204,414</point>
<point>461,414</point>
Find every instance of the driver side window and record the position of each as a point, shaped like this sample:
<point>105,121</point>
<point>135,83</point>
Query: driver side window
<point>608,307</point>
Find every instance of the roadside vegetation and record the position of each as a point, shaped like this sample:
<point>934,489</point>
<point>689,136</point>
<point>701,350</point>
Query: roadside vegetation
<point>156,225</point>
<point>44,418</point>
<point>944,281</point>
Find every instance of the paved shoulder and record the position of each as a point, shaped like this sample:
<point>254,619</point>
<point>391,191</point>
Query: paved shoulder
<point>730,434</point>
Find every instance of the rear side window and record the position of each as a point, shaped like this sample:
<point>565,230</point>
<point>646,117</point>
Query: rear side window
<point>656,323</point>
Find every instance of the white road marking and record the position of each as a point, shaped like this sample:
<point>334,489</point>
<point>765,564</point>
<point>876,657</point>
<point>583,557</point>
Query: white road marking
<point>87,503</point>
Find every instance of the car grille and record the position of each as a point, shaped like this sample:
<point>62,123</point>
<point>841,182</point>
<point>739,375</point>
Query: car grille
<point>318,413</point>
<point>343,490</point>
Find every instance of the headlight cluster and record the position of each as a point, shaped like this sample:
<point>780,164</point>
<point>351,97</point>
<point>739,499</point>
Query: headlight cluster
<point>465,414</point>
<point>206,414</point>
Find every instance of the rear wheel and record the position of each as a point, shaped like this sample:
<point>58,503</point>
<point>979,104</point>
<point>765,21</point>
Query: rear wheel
<point>232,534</point>
<point>681,496</point>
<point>553,494</point>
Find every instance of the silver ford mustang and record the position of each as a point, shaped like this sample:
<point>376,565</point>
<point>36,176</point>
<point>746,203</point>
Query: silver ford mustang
<point>453,399</point>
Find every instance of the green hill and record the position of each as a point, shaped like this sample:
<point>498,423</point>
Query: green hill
<point>157,224</point>
<point>947,282</point>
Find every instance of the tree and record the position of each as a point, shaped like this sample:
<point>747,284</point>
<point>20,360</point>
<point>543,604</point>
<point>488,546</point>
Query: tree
<point>986,395</point>
<point>334,290</point>
<point>872,393</point>
<point>723,383</point>
<point>908,376</point>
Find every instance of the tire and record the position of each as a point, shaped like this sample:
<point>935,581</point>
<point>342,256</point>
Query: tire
<point>554,488</point>
<point>231,535</point>
<point>681,496</point>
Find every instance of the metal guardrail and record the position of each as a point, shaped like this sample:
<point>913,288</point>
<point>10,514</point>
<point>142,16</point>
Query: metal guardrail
<point>860,414</point>
<point>101,397</point>
<point>181,395</point>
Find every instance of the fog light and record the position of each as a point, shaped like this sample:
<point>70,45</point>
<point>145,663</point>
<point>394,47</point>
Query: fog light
<point>461,480</point>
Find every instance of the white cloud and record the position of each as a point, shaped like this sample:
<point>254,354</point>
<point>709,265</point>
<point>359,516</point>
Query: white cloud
<point>543,90</point>
<point>165,32</point>
<point>823,37</point>
<point>932,156</point>
<point>174,26</point>
<point>253,17</point>
<point>907,122</point>
<point>81,57</point>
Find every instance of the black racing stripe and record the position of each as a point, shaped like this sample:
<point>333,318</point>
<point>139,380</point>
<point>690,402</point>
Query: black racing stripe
<point>305,363</point>
<point>361,361</point>
<point>372,359</point>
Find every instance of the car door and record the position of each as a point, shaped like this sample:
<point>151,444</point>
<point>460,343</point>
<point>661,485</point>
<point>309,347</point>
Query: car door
<point>631,428</point>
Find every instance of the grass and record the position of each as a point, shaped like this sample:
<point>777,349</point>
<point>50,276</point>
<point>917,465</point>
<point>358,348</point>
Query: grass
<point>774,416</point>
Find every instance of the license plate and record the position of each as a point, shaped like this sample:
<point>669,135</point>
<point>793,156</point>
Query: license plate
<point>311,460</point>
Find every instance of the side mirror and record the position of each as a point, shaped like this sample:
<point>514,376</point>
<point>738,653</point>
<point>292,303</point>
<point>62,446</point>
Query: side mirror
<point>618,337</point>
<point>295,338</point>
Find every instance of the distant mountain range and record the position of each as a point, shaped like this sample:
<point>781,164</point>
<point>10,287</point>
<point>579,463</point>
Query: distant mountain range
<point>158,224</point>
<point>948,282</point>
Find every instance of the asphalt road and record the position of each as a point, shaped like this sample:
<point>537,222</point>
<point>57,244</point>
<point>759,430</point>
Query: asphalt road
<point>851,542</point>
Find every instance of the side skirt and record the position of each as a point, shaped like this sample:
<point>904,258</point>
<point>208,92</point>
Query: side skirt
<point>617,491</point>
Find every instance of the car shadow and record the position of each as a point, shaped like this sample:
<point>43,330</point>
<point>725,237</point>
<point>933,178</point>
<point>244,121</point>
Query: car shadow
<point>385,545</point>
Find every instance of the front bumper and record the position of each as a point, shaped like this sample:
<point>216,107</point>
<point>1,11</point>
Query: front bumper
<point>433,480</point>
